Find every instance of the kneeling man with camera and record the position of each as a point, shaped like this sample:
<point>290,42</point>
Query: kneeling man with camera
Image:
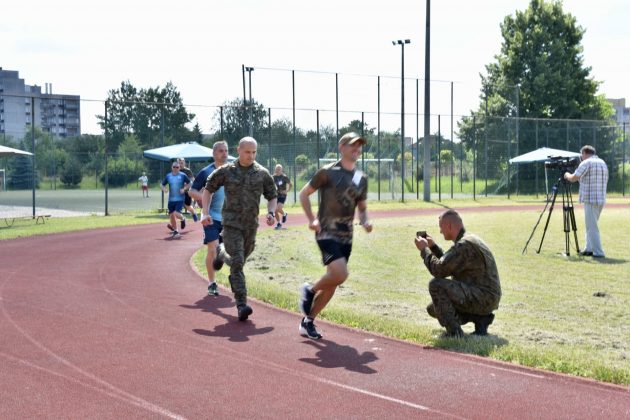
<point>473,290</point>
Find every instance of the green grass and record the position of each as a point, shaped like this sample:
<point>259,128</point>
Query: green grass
<point>28,227</point>
<point>550,316</point>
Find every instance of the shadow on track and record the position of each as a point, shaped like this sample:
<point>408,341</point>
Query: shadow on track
<point>233,329</point>
<point>332,355</point>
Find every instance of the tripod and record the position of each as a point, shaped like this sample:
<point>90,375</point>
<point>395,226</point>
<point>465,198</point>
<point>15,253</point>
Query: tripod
<point>568,217</point>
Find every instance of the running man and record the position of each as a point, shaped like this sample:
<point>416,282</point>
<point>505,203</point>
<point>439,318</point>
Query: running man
<point>212,213</point>
<point>283,185</point>
<point>245,180</point>
<point>178,183</point>
<point>343,188</point>
<point>187,198</point>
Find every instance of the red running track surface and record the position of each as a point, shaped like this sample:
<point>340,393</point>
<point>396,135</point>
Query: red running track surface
<point>115,323</point>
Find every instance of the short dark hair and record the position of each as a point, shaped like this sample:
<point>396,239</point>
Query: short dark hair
<point>588,149</point>
<point>452,216</point>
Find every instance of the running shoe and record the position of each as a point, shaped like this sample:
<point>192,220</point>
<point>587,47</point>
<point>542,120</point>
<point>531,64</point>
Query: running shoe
<point>183,223</point>
<point>284,217</point>
<point>307,329</point>
<point>175,235</point>
<point>213,290</point>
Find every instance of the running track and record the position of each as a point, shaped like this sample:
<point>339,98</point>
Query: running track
<point>115,323</point>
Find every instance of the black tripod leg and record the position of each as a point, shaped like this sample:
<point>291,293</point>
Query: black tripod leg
<point>553,201</point>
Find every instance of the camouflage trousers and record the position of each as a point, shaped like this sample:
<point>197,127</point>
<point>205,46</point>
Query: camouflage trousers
<point>238,245</point>
<point>455,301</point>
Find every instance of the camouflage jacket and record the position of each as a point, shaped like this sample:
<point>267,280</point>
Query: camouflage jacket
<point>243,189</point>
<point>469,260</point>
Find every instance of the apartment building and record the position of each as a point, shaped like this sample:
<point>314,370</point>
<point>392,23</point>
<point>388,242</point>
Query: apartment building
<point>22,105</point>
<point>622,113</point>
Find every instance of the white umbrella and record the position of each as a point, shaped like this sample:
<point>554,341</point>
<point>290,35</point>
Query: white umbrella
<point>9,151</point>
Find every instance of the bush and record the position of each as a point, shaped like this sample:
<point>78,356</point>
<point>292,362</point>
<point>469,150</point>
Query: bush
<point>122,171</point>
<point>71,174</point>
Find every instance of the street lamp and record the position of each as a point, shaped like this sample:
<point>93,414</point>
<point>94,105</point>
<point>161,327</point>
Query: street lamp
<point>402,43</point>
<point>249,70</point>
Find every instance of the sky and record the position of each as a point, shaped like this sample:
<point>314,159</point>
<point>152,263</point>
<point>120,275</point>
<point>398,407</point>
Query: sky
<point>87,48</point>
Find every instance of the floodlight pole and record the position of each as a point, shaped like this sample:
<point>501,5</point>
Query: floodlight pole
<point>402,43</point>
<point>249,70</point>
<point>426,173</point>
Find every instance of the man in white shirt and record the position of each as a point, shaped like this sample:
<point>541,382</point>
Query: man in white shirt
<point>593,176</point>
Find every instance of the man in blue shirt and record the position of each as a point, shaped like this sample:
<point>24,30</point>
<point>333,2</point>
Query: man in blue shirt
<point>212,231</point>
<point>178,183</point>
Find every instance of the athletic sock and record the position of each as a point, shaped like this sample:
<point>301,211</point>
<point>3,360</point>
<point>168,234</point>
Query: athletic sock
<point>308,319</point>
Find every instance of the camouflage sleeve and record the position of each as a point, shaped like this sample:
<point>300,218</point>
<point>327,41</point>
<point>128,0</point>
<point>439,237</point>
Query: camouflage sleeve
<point>216,180</point>
<point>448,263</point>
<point>269,187</point>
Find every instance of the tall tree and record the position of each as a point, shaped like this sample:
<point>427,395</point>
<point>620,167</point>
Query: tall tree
<point>539,73</point>
<point>139,111</point>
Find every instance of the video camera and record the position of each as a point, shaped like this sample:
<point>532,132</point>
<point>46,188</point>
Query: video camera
<point>564,164</point>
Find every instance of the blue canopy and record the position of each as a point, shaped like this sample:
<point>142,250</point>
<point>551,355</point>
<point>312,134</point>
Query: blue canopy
<point>193,152</point>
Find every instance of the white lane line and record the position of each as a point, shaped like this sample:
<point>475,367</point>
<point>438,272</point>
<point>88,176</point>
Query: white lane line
<point>125,395</point>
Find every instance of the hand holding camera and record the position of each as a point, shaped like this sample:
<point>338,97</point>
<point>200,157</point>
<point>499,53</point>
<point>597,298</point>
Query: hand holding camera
<point>423,240</point>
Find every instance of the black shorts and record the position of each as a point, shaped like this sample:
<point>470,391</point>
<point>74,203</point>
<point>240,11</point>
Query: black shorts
<point>333,250</point>
<point>187,199</point>
<point>282,198</point>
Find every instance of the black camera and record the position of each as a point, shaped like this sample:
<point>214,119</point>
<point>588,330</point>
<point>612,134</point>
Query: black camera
<point>421,234</point>
<point>564,164</point>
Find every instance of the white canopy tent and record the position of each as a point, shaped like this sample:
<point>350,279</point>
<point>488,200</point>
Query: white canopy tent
<point>543,154</point>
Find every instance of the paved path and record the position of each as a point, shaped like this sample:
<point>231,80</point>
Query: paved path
<point>115,323</point>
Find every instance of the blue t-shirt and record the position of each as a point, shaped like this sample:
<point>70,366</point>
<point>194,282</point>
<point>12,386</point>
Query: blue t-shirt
<point>175,183</point>
<point>216,205</point>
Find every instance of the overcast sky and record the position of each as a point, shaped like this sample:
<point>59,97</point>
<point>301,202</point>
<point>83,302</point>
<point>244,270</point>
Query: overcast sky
<point>87,48</point>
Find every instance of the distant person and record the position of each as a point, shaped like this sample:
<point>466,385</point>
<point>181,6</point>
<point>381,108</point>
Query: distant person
<point>593,176</point>
<point>178,184</point>
<point>343,188</point>
<point>245,180</point>
<point>473,290</point>
<point>211,213</point>
<point>283,185</point>
<point>187,198</point>
<point>144,185</point>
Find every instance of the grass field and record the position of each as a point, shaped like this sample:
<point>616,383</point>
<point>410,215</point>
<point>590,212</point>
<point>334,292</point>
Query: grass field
<point>562,314</point>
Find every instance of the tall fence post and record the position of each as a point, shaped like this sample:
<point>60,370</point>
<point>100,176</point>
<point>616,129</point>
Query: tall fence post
<point>294,139</point>
<point>33,170</point>
<point>106,159</point>
<point>378,135</point>
<point>623,163</point>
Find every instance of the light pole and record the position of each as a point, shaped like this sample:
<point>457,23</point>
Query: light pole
<point>249,70</point>
<point>402,43</point>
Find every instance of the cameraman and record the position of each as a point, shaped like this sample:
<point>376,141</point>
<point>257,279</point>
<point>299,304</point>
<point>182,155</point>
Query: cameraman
<point>593,176</point>
<point>474,290</point>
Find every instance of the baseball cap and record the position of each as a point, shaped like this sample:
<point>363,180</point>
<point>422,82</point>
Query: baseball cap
<point>351,138</point>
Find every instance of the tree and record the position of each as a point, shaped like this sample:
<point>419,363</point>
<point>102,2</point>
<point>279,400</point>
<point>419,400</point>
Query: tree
<point>236,120</point>
<point>539,73</point>
<point>71,174</point>
<point>143,112</point>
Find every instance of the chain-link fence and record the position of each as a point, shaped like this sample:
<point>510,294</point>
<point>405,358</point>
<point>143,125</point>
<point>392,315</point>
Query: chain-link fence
<point>98,172</point>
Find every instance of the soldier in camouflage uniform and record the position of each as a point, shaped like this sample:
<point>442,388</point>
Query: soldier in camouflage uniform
<point>245,181</point>
<point>474,289</point>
